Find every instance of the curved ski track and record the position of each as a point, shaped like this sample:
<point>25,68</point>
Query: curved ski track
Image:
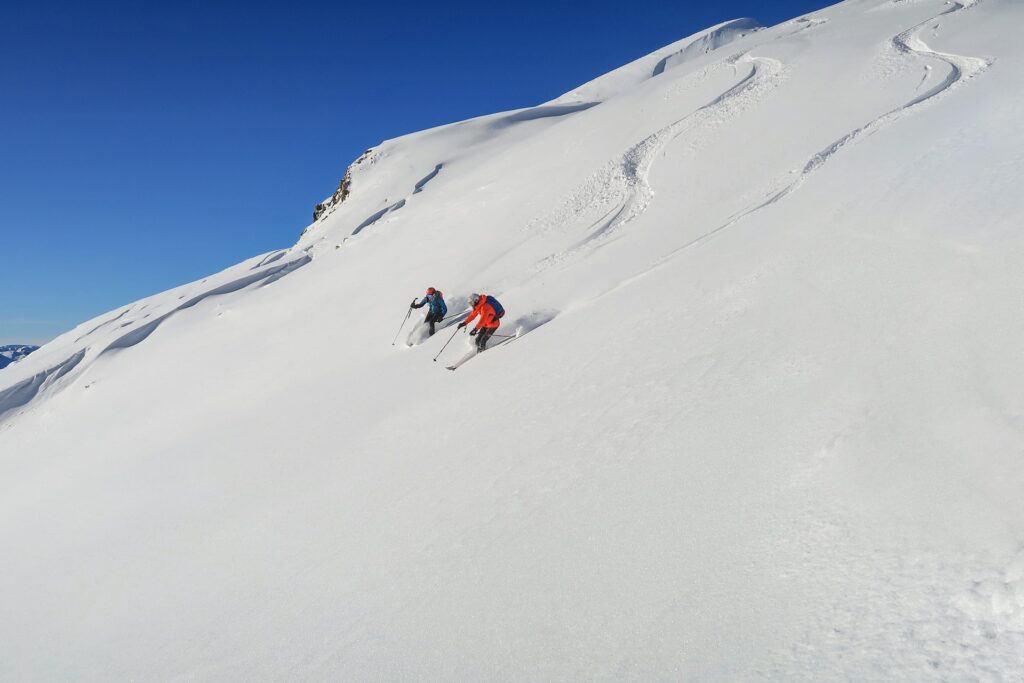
<point>627,179</point>
<point>962,69</point>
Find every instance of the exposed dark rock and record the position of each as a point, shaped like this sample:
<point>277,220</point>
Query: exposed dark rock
<point>344,188</point>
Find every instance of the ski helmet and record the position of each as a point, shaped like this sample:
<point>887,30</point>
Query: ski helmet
<point>474,299</point>
<point>430,290</point>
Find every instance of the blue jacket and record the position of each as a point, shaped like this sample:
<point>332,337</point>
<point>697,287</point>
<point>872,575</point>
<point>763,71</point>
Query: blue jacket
<point>437,305</point>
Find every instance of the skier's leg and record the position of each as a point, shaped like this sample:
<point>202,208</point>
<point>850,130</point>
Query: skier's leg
<point>482,336</point>
<point>430,321</point>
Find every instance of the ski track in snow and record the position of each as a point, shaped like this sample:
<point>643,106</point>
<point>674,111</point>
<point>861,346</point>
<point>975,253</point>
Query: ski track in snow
<point>907,43</point>
<point>625,183</point>
<point>628,179</point>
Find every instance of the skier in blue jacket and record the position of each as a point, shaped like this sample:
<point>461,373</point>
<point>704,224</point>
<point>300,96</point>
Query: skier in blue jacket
<point>438,309</point>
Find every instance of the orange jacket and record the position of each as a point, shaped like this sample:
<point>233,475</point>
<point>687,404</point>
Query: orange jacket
<point>488,318</point>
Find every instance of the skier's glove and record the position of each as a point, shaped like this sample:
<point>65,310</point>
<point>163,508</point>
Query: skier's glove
<point>472,333</point>
<point>413,303</point>
<point>461,325</point>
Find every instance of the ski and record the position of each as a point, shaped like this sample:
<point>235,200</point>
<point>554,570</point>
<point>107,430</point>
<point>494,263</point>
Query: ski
<point>508,339</point>
<point>458,363</point>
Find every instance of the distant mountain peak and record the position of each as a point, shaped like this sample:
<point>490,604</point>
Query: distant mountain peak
<point>14,352</point>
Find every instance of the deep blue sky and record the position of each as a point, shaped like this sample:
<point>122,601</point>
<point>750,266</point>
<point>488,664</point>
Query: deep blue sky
<point>148,144</point>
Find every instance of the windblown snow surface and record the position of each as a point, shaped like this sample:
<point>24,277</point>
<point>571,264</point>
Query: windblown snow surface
<point>766,421</point>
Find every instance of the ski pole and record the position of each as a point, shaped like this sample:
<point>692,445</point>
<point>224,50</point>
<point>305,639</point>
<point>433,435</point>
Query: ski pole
<point>447,343</point>
<point>407,314</point>
<point>450,320</point>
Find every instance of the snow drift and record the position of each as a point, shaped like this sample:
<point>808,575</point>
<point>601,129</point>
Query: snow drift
<point>767,420</point>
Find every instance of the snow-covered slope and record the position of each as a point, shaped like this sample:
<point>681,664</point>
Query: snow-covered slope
<point>766,420</point>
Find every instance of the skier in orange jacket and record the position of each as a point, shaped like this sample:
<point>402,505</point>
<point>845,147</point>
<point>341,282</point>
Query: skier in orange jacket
<point>488,322</point>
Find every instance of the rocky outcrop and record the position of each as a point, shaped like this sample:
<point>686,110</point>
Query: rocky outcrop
<point>344,188</point>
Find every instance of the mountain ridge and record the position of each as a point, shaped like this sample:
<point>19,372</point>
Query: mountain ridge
<point>14,352</point>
